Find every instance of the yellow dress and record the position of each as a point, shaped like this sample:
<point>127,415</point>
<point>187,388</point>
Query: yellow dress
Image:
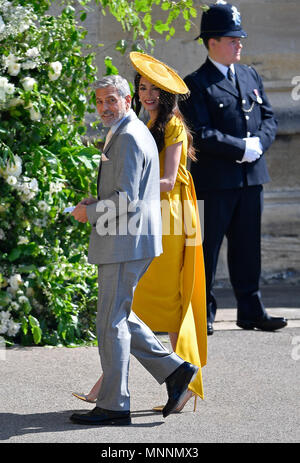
<point>170,296</point>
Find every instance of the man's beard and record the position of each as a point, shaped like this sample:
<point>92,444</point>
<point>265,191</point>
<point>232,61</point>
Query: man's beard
<point>111,122</point>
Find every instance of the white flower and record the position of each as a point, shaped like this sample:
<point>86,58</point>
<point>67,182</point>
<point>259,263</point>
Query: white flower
<point>2,95</point>
<point>2,234</point>
<point>32,52</point>
<point>23,240</point>
<point>52,76</point>
<point>14,69</point>
<point>4,316</point>
<point>28,83</point>
<point>33,185</point>
<point>15,281</point>
<point>3,327</point>
<point>15,102</point>
<point>3,82</point>
<point>9,89</point>
<point>2,25</point>
<point>24,27</point>
<point>23,299</point>
<point>13,169</point>
<point>55,187</point>
<point>35,115</point>
<point>29,292</point>
<point>14,305</point>
<point>55,70</point>
<point>11,180</point>
<point>13,328</point>
<point>56,67</point>
<point>43,206</point>
<point>29,65</point>
<point>9,60</point>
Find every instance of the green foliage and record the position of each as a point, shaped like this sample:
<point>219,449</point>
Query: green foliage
<point>137,16</point>
<point>48,290</point>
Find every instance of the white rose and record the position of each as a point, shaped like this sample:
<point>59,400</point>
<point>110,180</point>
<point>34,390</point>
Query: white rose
<point>15,102</point>
<point>14,69</point>
<point>30,292</point>
<point>4,316</point>
<point>11,180</point>
<point>28,83</point>
<point>43,206</point>
<point>35,115</point>
<point>24,27</point>
<point>14,305</point>
<point>29,65</point>
<point>2,95</point>
<point>55,70</point>
<point>23,240</point>
<point>33,185</point>
<point>15,281</point>
<point>3,327</point>
<point>9,60</point>
<point>13,328</point>
<point>3,82</point>
<point>23,300</point>
<point>32,52</point>
<point>15,168</point>
<point>2,25</point>
<point>9,89</point>
<point>52,76</point>
<point>56,67</point>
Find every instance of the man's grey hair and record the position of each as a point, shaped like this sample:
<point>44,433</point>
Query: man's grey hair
<point>116,81</point>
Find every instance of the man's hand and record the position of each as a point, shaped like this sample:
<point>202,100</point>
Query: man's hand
<point>87,201</point>
<point>253,149</point>
<point>79,213</point>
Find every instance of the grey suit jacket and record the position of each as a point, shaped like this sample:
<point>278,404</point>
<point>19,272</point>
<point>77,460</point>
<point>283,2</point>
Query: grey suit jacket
<point>126,220</point>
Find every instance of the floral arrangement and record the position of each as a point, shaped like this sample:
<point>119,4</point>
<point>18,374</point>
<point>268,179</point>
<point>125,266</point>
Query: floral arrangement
<point>47,289</point>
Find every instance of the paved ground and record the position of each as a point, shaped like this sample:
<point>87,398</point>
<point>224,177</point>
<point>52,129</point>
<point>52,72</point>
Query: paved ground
<point>251,389</point>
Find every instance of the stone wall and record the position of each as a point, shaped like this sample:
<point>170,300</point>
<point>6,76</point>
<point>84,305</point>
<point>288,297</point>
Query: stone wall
<point>273,28</point>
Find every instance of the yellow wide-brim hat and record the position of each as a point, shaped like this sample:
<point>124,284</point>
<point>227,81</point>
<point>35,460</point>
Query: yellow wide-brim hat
<point>158,73</point>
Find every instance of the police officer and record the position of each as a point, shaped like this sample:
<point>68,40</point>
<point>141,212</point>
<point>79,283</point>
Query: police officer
<point>233,126</point>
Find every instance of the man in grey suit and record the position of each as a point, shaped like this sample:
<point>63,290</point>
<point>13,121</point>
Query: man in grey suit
<point>125,237</point>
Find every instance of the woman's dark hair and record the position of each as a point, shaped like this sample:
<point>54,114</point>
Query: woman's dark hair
<point>168,107</point>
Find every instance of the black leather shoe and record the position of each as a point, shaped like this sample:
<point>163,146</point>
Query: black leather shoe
<point>265,324</point>
<point>177,384</point>
<point>210,329</point>
<point>100,417</point>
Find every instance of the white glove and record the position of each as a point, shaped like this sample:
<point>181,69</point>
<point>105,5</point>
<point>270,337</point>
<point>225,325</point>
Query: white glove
<point>253,149</point>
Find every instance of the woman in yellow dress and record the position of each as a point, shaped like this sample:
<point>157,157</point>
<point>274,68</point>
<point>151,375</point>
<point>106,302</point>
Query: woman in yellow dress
<point>170,297</point>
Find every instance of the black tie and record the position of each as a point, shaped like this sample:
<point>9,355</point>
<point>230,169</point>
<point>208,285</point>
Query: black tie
<point>230,77</point>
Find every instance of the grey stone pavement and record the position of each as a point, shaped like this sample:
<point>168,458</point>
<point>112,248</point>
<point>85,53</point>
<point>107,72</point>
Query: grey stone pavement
<point>251,384</point>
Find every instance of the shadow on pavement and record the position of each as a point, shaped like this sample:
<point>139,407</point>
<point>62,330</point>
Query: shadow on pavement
<point>14,424</point>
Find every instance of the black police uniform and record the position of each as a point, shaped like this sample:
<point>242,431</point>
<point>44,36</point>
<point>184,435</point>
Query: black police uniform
<point>220,116</point>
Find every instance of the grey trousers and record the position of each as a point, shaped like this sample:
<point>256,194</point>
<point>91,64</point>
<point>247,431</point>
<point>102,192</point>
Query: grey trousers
<point>120,332</point>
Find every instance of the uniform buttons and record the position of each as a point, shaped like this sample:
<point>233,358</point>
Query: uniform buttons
<point>247,118</point>
<point>248,134</point>
<point>244,101</point>
<point>221,105</point>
